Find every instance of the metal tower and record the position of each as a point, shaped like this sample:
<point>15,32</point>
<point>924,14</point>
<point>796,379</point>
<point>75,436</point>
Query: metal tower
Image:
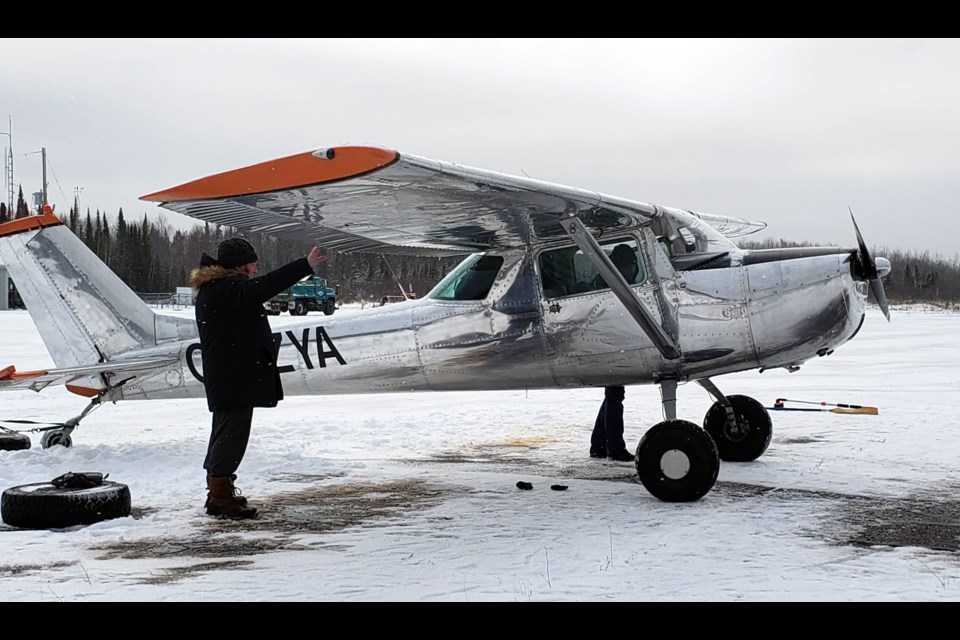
<point>8,168</point>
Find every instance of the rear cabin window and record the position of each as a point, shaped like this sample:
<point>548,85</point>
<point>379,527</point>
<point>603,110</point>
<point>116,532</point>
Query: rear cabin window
<point>567,271</point>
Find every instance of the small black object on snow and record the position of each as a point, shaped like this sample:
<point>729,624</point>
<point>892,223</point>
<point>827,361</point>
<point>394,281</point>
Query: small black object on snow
<point>526,486</point>
<point>558,487</point>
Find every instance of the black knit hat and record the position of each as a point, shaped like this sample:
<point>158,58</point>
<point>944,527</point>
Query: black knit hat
<point>235,252</point>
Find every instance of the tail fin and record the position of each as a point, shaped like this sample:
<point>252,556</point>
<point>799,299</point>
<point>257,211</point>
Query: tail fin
<point>83,311</point>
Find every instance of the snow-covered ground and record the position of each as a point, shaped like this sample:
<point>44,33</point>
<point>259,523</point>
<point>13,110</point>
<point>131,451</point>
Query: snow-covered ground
<point>413,497</point>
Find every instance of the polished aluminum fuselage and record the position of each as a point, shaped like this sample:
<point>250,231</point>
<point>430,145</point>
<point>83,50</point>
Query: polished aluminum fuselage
<point>771,313</point>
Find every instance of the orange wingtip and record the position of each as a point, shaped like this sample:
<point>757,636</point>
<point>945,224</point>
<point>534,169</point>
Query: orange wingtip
<point>10,373</point>
<point>30,222</point>
<point>302,169</point>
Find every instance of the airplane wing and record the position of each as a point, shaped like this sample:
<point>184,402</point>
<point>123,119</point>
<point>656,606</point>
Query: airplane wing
<point>11,379</point>
<point>732,227</point>
<point>369,199</point>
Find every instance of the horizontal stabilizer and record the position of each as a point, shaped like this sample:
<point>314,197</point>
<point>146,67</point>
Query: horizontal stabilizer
<point>114,372</point>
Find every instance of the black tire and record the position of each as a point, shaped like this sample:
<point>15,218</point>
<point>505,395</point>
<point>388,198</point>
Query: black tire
<point>749,438</point>
<point>45,506</point>
<point>329,306</point>
<point>12,441</point>
<point>299,309</point>
<point>677,461</point>
<point>54,438</point>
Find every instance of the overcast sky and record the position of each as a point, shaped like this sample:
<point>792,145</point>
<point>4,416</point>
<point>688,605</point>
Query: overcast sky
<point>787,131</point>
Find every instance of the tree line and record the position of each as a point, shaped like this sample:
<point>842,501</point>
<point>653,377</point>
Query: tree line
<point>152,257</point>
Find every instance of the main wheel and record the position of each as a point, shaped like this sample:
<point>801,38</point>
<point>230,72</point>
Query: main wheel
<point>299,309</point>
<point>748,438</point>
<point>677,461</point>
<point>46,506</point>
<point>329,306</point>
<point>13,441</point>
<point>55,437</point>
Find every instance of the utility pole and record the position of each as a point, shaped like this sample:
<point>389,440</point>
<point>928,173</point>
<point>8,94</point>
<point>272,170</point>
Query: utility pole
<point>40,197</point>
<point>43,151</point>
<point>8,167</point>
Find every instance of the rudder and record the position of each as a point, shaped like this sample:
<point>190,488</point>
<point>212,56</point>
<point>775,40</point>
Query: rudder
<point>83,311</point>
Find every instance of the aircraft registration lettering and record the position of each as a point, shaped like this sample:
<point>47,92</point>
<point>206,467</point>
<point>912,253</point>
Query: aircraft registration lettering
<point>301,344</point>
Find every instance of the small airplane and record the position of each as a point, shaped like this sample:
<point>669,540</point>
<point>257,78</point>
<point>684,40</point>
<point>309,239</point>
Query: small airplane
<point>536,303</point>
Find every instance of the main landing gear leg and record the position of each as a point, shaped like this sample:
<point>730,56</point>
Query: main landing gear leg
<point>676,460</point>
<point>668,396</point>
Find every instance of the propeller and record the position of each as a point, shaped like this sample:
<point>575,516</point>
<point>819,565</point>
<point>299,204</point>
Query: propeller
<point>870,271</point>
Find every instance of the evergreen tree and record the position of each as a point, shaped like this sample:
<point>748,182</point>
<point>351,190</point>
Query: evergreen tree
<point>3,212</point>
<point>22,210</point>
<point>73,220</point>
<point>87,236</point>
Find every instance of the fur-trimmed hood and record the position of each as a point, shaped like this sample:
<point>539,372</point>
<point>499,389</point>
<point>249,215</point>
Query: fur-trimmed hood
<point>202,275</point>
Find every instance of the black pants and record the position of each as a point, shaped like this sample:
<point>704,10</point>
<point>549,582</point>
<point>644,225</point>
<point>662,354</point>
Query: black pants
<point>228,441</point>
<point>608,427</point>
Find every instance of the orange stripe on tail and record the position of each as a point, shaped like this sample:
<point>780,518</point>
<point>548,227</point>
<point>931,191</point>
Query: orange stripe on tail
<point>30,222</point>
<point>10,373</point>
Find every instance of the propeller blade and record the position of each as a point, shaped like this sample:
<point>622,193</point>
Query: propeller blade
<point>870,271</point>
<point>877,287</point>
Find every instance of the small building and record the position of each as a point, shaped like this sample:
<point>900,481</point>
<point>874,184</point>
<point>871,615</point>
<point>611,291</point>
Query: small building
<point>9,296</point>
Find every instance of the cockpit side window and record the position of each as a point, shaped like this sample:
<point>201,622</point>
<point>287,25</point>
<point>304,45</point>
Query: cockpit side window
<point>471,280</point>
<point>568,271</point>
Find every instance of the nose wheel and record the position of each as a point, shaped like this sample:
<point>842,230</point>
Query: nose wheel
<point>742,432</point>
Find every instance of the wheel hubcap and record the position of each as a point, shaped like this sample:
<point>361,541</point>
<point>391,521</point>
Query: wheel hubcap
<point>675,464</point>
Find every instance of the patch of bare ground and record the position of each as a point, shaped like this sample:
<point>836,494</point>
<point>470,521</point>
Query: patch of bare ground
<point>282,522</point>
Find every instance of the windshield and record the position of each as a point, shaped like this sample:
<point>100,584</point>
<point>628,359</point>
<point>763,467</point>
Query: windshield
<point>470,280</point>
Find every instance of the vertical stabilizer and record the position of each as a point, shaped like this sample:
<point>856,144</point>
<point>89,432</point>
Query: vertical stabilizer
<point>83,311</point>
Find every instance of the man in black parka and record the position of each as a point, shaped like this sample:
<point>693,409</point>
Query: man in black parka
<point>239,358</point>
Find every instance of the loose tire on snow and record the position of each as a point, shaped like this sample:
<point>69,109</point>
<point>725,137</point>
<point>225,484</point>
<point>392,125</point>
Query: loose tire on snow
<point>45,506</point>
<point>750,437</point>
<point>13,441</point>
<point>677,461</point>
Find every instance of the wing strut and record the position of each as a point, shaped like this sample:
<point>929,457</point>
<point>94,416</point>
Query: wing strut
<point>612,276</point>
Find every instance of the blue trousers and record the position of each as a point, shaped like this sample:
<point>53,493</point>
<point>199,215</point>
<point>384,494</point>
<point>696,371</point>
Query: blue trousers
<point>608,429</point>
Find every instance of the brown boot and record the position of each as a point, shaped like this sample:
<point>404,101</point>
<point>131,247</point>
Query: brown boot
<point>221,499</point>
<point>239,499</point>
